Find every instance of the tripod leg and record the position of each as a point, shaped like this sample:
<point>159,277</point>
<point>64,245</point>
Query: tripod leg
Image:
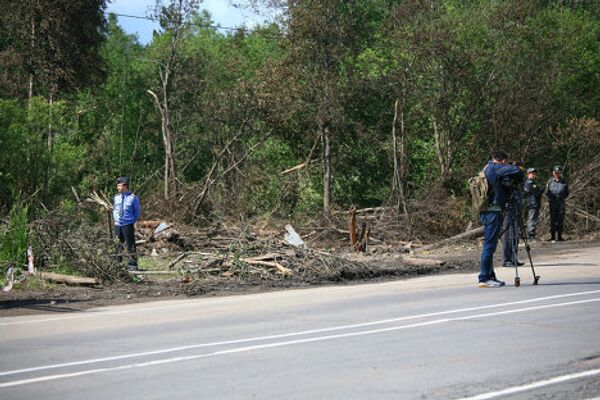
<point>536,278</point>
<point>514,247</point>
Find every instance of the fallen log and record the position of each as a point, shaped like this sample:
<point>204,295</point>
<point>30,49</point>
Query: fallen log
<point>285,271</point>
<point>422,262</point>
<point>467,235</point>
<point>68,279</point>
<point>154,272</point>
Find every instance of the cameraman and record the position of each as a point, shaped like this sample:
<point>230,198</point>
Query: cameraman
<point>499,175</point>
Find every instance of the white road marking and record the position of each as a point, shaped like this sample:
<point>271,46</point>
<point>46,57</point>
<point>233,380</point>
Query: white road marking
<point>288,343</point>
<point>534,385</point>
<point>290,334</point>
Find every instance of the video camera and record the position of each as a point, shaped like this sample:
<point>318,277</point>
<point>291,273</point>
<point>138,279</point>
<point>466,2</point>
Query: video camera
<point>514,182</point>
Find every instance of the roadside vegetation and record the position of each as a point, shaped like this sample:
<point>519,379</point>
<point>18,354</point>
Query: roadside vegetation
<point>387,106</point>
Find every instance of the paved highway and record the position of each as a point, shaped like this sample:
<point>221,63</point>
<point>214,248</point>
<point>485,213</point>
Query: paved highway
<point>437,337</point>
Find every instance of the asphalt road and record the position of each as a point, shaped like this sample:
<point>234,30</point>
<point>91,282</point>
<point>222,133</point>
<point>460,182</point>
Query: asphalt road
<point>437,337</point>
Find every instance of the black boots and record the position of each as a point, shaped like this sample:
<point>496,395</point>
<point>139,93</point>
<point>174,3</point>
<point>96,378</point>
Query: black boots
<point>554,237</point>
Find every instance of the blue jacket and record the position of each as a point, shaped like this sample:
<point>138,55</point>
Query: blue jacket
<point>131,209</point>
<point>496,174</point>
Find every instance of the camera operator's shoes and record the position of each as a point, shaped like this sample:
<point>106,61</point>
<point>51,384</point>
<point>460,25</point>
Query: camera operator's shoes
<point>490,284</point>
<point>502,283</point>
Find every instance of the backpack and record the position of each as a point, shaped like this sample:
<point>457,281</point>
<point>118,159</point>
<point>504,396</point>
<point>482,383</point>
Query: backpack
<point>479,187</point>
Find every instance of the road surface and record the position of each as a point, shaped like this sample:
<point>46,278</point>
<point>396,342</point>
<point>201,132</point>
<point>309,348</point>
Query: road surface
<point>436,337</point>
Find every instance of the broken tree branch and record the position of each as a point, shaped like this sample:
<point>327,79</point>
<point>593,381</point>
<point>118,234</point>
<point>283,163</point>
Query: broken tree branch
<point>467,235</point>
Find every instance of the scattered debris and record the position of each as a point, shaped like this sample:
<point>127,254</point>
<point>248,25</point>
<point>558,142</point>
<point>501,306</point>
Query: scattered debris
<point>292,237</point>
<point>67,279</point>
<point>10,276</point>
<point>467,235</point>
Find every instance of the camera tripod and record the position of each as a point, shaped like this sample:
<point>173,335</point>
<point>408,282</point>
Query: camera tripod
<point>515,229</point>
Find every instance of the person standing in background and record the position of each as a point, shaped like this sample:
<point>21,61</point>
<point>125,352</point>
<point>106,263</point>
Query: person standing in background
<point>533,201</point>
<point>557,191</point>
<point>126,212</point>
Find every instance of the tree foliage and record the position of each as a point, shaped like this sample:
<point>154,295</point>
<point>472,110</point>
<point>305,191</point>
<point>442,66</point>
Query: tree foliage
<point>337,103</point>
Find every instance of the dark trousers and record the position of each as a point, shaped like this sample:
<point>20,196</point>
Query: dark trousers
<point>533,217</point>
<point>510,226</point>
<point>126,235</point>
<point>557,217</point>
<point>492,225</point>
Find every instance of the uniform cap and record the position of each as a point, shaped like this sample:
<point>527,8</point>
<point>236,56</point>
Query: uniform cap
<point>530,170</point>
<point>557,168</point>
<point>123,179</point>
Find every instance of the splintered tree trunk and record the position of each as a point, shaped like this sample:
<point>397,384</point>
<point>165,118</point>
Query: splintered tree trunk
<point>170,177</point>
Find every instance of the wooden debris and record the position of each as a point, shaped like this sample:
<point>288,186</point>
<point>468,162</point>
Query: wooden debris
<point>68,279</point>
<point>177,259</point>
<point>422,262</point>
<point>283,270</point>
<point>153,272</point>
<point>359,241</point>
<point>467,235</point>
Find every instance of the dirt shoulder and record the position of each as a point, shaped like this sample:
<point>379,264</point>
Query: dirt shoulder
<point>380,264</point>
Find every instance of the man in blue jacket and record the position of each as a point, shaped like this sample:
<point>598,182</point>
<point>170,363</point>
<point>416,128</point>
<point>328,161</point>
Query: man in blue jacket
<point>501,178</point>
<point>126,212</point>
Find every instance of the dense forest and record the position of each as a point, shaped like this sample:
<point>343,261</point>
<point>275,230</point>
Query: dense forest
<point>333,104</point>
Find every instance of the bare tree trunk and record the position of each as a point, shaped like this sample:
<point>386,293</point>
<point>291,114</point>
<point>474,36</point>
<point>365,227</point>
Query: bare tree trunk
<point>403,160</point>
<point>326,168</point>
<point>32,44</point>
<point>170,177</point>
<point>50,134</point>
<point>396,180</point>
<point>30,89</point>
<point>399,157</point>
<point>443,146</point>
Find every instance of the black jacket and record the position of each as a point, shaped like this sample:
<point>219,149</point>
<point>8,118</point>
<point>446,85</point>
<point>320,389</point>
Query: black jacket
<point>557,191</point>
<point>532,194</point>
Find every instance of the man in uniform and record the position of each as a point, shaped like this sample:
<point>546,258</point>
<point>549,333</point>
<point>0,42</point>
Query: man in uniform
<point>533,200</point>
<point>557,192</point>
<point>126,212</point>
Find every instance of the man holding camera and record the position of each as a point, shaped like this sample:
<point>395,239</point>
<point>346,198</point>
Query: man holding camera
<point>557,192</point>
<point>533,200</point>
<point>501,178</point>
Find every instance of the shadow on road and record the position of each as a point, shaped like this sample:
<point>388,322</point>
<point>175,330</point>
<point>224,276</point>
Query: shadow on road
<point>567,283</point>
<point>564,264</point>
<point>47,305</point>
